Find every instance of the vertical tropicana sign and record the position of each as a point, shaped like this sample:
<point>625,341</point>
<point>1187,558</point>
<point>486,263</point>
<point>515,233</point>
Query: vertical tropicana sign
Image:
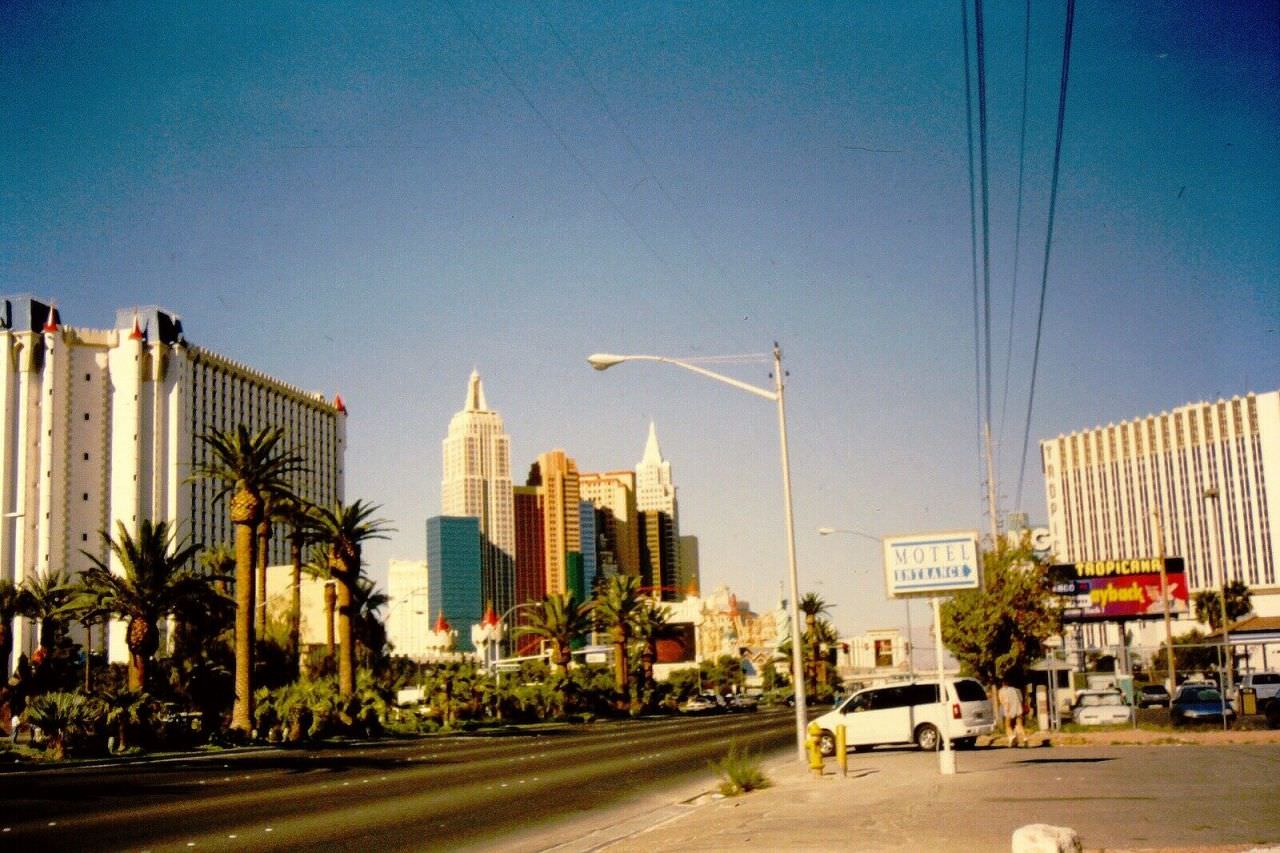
<point>931,563</point>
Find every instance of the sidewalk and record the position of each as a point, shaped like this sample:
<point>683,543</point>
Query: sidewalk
<point>1116,797</point>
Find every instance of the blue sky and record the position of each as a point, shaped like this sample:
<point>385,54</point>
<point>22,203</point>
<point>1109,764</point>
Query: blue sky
<point>377,201</point>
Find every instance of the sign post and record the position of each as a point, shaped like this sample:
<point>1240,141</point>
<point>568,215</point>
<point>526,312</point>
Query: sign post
<point>934,564</point>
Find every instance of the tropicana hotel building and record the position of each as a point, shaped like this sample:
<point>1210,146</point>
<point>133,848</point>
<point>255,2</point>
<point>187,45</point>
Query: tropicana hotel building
<point>1205,475</point>
<point>103,425</point>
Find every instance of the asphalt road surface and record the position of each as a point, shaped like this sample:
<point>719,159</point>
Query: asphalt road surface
<point>433,793</point>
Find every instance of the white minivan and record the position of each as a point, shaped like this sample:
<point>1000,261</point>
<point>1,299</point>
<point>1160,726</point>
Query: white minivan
<point>910,712</point>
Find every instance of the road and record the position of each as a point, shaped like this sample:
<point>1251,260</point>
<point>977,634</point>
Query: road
<point>460,791</point>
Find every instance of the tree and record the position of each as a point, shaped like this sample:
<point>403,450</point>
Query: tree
<point>344,528</point>
<point>813,607</point>
<point>246,465</point>
<point>156,580</point>
<point>650,618</point>
<point>558,620</point>
<point>10,607</point>
<point>370,633</point>
<point>1191,653</point>
<point>1209,604</point>
<point>59,715</point>
<point>318,567</point>
<point>49,598</point>
<point>998,631</point>
<point>614,612</point>
<point>295,514</point>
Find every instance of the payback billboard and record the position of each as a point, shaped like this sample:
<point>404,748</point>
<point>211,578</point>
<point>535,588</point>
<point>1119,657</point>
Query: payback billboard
<point>1118,590</point>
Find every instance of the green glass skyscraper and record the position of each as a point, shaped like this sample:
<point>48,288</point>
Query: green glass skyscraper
<point>453,573</point>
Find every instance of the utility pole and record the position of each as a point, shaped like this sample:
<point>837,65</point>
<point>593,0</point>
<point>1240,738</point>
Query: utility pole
<point>1164,594</point>
<point>991,484</point>
<point>1211,494</point>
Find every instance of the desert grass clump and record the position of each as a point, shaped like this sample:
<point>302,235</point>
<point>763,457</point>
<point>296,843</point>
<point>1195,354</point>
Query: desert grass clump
<point>739,771</point>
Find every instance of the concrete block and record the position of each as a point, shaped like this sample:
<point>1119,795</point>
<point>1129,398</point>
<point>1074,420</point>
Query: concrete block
<point>1043,838</point>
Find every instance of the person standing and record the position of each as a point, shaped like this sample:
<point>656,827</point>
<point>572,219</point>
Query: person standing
<point>1010,701</point>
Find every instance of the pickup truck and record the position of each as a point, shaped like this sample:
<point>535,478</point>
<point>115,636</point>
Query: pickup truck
<point>1265,684</point>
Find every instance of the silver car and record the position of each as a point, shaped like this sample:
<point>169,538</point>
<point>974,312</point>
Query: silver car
<point>1101,708</point>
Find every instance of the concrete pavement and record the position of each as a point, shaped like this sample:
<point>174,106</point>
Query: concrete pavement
<point>1221,796</point>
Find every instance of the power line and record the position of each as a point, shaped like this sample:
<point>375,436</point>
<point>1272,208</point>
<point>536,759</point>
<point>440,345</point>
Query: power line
<point>973,229</point>
<point>1048,238</point>
<point>1017,229</point>
<point>986,205</point>
<point>631,144</point>
<point>559,138</point>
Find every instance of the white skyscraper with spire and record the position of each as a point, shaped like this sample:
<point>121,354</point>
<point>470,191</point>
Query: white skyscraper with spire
<point>477,483</point>
<point>654,489</point>
<point>659,520</point>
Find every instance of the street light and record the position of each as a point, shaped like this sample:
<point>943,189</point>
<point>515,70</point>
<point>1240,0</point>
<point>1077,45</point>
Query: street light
<point>603,361</point>
<point>911,646</point>
<point>1211,494</point>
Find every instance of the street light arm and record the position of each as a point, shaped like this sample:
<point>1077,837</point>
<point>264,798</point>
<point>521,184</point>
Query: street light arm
<point>604,360</point>
<point>827,531</point>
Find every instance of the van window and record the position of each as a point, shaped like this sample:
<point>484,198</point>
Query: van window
<point>923,694</point>
<point>1266,678</point>
<point>889,697</point>
<point>968,690</point>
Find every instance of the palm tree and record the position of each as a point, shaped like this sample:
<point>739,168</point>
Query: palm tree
<point>219,562</point>
<point>646,625</point>
<point>812,606</point>
<point>155,581</point>
<point>10,607</point>
<point>51,599</point>
<point>614,611</point>
<point>558,620</point>
<point>247,465</point>
<point>59,715</point>
<point>344,528</point>
<point>370,633</point>
<point>295,514</point>
<point>318,567</point>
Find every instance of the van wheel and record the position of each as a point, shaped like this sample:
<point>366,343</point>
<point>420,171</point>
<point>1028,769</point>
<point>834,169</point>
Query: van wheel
<point>827,744</point>
<point>927,738</point>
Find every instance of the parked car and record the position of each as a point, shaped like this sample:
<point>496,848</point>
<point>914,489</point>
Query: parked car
<point>910,712</point>
<point>1100,708</point>
<point>1153,696</point>
<point>1265,685</point>
<point>1273,713</point>
<point>703,703</point>
<point>1198,703</point>
<point>738,703</point>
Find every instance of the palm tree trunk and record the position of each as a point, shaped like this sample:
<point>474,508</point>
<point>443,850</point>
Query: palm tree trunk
<point>244,516</point>
<point>330,607</point>
<point>346,648</point>
<point>264,540</point>
<point>295,605</point>
<point>137,672</point>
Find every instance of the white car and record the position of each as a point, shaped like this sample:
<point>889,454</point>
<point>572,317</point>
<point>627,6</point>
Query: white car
<point>1101,708</point>
<point>1265,685</point>
<point>910,712</point>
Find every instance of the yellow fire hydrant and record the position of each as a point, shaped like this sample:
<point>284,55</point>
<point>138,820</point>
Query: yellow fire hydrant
<point>814,733</point>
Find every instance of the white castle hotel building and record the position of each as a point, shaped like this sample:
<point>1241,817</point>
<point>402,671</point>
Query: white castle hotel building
<point>103,425</point>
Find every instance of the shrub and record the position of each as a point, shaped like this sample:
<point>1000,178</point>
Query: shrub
<point>739,772</point>
<point>60,716</point>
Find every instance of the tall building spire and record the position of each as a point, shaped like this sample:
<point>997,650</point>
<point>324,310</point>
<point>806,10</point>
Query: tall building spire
<point>475,394</point>
<point>652,452</point>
